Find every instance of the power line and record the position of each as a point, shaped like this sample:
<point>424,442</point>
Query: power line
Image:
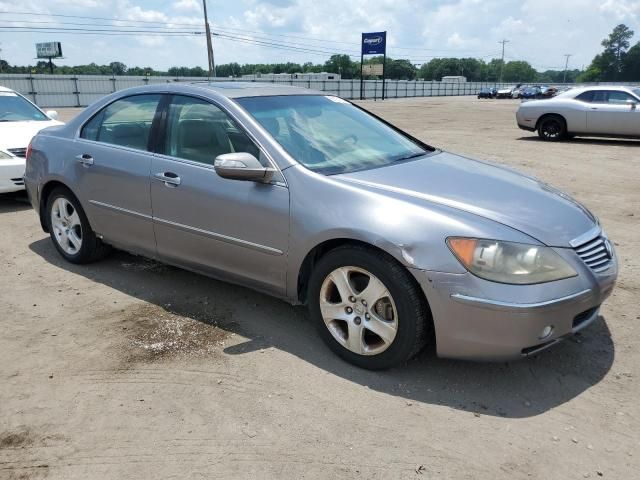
<point>168,24</point>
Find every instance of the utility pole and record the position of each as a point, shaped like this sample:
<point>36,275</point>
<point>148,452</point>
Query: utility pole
<point>503,42</point>
<point>566,65</point>
<point>212,66</point>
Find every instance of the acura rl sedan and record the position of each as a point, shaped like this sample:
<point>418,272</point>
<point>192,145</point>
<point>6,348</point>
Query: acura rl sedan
<point>392,243</point>
<point>607,111</point>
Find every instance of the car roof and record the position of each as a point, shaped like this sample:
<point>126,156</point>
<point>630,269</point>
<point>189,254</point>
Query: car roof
<point>620,88</point>
<point>5,89</point>
<point>253,89</point>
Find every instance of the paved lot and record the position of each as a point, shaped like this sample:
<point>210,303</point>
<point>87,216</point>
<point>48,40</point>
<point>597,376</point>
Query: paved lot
<point>131,369</point>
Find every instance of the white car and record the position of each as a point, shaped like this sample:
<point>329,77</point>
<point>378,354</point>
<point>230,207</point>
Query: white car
<point>505,92</point>
<point>20,120</point>
<point>607,111</point>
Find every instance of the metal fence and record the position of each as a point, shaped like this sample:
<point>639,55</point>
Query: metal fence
<point>82,90</point>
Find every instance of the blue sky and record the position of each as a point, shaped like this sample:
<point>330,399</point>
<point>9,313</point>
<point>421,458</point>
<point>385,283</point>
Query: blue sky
<point>540,31</point>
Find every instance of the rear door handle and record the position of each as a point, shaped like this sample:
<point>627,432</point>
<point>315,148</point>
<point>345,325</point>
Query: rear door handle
<point>85,159</point>
<point>170,179</point>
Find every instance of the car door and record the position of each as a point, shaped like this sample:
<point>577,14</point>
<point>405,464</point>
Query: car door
<point>612,113</point>
<point>113,160</point>
<point>233,229</point>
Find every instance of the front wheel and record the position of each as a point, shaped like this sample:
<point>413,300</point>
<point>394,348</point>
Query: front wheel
<point>552,129</point>
<point>368,308</point>
<point>70,230</point>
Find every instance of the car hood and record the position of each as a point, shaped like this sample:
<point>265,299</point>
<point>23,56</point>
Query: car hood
<point>497,193</point>
<point>19,134</point>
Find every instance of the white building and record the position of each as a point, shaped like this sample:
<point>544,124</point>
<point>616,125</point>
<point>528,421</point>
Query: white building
<point>285,77</point>
<point>454,78</point>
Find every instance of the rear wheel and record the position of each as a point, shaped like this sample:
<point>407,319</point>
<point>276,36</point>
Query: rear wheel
<point>552,128</point>
<point>368,308</point>
<point>70,230</point>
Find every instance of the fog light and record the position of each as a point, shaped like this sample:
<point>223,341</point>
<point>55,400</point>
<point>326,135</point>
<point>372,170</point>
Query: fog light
<point>546,332</point>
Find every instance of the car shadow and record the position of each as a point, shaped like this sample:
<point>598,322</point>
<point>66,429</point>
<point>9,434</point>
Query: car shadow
<point>14,202</point>
<point>620,142</point>
<point>515,390</point>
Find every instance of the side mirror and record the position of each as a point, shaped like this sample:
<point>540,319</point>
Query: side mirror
<point>52,114</point>
<point>632,103</point>
<point>242,166</point>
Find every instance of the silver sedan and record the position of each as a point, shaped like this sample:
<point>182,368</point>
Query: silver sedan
<point>392,244</point>
<point>607,111</point>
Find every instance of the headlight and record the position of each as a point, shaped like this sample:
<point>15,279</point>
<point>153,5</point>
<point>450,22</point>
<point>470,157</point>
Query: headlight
<point>4,155</point>
<point>509,262</point>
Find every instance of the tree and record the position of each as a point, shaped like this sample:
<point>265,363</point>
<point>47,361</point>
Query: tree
<point>118,68</point>
<point>519,71</point>
<point>608,65</point>
<point>631,64</point>
<point>343,65</point>
<point>617,45</point>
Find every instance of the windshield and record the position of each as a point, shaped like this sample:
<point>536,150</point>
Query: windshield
<point>329,135</point>
<point>636,91</point>
<point>14,108</point>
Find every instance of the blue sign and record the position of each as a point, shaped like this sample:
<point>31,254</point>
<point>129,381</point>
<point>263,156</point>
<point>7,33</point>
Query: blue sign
<point>374,43</point>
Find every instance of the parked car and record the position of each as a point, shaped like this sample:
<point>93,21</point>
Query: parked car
<point>20,120</point>
<point>506,92</point>
<point>487,93</point>
<point>587,111</point>
<point>390,242</point>
<point>516,92</point>
<point>11,172</point>
<point>530,93</point>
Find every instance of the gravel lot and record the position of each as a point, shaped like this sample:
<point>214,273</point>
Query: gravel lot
<point>131,369</point>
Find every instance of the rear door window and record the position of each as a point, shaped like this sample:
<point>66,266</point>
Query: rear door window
<point>126,122</point>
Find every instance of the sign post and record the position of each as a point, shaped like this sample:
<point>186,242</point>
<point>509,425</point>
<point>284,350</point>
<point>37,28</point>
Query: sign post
<point>374,43</point>
<point>49,50</point>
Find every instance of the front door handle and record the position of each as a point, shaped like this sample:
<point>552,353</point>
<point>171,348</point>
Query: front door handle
<point>170,179</point>
<point>85,159</point>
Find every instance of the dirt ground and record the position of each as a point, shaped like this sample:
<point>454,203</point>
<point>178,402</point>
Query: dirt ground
<point>131,369</point>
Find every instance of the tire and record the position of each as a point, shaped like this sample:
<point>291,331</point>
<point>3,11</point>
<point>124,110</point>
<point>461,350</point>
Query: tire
<point>70,231</point>
<point>400,313</point>
<point>552,128</point>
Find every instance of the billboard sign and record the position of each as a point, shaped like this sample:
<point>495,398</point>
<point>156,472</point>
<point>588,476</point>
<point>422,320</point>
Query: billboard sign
<point>374,43</point>
<point>49,50</point>
<point>373,69</point>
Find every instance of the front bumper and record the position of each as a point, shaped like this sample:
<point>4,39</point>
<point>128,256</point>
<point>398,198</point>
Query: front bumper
<point>11,173</point>
<point>528,128</point>
<point>480,320</point>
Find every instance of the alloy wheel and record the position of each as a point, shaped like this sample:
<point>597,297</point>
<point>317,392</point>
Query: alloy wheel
<point>358,310</point>
<point>66,225</point>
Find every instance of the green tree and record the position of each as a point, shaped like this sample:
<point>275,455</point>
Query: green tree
<point>617,45</point>
<point>631,64</point>
<point>608,65</point>
<point>118,68</point>
<point>519,71</point>
<point>343,65</point>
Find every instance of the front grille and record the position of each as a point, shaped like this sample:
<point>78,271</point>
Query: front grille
<point>18,152</point>
<point>18,181</point>
<point>596,254</point>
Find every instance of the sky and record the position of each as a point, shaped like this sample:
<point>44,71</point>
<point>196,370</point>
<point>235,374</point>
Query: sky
<point>539,31</point>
